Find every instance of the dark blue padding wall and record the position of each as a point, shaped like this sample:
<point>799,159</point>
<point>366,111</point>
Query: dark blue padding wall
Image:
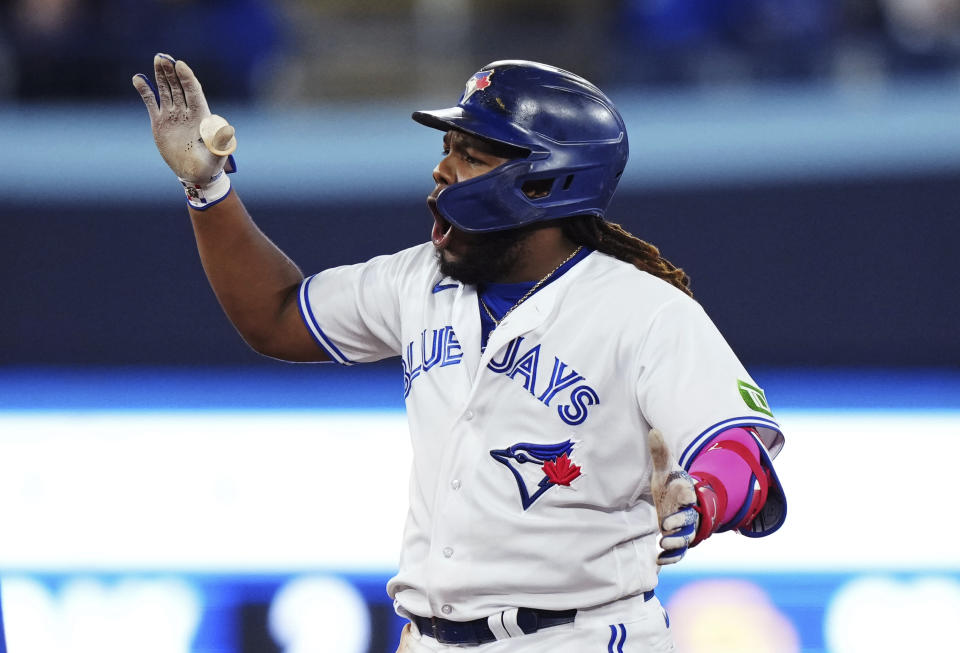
<point>855,272</point>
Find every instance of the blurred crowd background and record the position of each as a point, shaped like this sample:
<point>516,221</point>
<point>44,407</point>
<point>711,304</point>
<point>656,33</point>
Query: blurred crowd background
<point>307,50</point>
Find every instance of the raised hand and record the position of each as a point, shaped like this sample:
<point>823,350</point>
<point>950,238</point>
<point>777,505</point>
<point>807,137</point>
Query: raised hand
<point>196,144</point>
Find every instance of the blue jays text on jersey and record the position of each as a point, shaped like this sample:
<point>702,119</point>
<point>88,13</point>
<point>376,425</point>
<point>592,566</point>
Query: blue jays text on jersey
<point>444,349</point>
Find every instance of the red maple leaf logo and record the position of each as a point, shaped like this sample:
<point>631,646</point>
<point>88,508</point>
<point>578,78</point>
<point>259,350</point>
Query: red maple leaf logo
<point>562,471</point>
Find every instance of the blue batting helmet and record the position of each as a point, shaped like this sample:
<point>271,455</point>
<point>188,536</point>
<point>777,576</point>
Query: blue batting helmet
<point>571,139</point>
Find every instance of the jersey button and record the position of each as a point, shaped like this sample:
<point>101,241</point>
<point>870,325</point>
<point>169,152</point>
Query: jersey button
<point>468,415</point>
<point>455,484</point>
<point>447,552</point>
<point>446,608</point>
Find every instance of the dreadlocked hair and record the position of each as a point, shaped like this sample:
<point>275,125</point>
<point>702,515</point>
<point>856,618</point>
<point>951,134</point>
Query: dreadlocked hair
<point>598,234</point>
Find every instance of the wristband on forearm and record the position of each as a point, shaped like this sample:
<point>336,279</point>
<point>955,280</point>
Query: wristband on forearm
<point>202,197</point>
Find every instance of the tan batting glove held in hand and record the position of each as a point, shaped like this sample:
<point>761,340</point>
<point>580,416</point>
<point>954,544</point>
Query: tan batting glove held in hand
<point>195,144</point>
<point>675,497</point>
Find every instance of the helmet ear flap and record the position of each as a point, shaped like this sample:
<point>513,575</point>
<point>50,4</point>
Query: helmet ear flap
<point>538,189</point>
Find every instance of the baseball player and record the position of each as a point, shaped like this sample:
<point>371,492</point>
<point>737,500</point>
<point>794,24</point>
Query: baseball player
<point>577,420</point>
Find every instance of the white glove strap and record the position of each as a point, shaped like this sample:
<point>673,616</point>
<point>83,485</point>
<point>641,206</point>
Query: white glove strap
<point>205,196</point>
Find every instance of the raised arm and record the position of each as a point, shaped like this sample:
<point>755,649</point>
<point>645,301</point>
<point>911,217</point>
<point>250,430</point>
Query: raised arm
<point>255,282</point>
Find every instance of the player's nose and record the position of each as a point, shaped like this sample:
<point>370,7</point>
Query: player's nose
<point>440,176</point>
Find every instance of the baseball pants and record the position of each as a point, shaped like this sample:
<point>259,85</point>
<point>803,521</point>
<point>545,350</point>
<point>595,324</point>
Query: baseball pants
<point>626,626</point>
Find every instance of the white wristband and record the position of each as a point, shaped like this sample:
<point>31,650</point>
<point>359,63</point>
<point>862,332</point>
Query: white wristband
<point>205,196</point>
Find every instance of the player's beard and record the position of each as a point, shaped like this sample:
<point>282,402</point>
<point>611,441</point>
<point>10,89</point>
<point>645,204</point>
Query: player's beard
<point>489,258</point>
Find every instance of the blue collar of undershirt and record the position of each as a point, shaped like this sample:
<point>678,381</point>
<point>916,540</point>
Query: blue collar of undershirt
<point>500,297</point>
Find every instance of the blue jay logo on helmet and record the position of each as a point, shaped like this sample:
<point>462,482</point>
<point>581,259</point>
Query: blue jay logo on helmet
<point>552,460</point>
<point>570,140</point>
<point>476,83</point>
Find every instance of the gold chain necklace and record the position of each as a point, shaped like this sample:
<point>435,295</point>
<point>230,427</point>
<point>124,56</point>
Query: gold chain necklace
<point>537,285</point>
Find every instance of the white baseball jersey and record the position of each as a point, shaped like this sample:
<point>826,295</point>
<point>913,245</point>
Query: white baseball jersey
<point>531,474</point>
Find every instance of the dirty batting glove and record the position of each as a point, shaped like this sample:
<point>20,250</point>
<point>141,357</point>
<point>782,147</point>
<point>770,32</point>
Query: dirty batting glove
<point>676,501</point>
<point>197,145</point>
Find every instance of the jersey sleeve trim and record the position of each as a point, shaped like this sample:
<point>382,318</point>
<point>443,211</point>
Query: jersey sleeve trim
<point>306,313</point>
<point>701,440</point>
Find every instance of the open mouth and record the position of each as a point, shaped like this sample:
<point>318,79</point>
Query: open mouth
<point>442,229</point>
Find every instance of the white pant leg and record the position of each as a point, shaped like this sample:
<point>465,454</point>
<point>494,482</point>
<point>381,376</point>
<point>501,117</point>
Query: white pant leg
<point>632,625</point>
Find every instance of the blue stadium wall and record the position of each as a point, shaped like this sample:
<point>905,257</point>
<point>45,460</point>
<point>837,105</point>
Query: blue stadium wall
<point>852,272</point>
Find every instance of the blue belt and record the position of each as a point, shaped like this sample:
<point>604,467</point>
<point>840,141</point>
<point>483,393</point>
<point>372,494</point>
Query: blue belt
<point>478,631</point>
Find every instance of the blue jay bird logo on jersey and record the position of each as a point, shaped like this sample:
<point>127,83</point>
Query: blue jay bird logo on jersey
<point>528,461</point>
